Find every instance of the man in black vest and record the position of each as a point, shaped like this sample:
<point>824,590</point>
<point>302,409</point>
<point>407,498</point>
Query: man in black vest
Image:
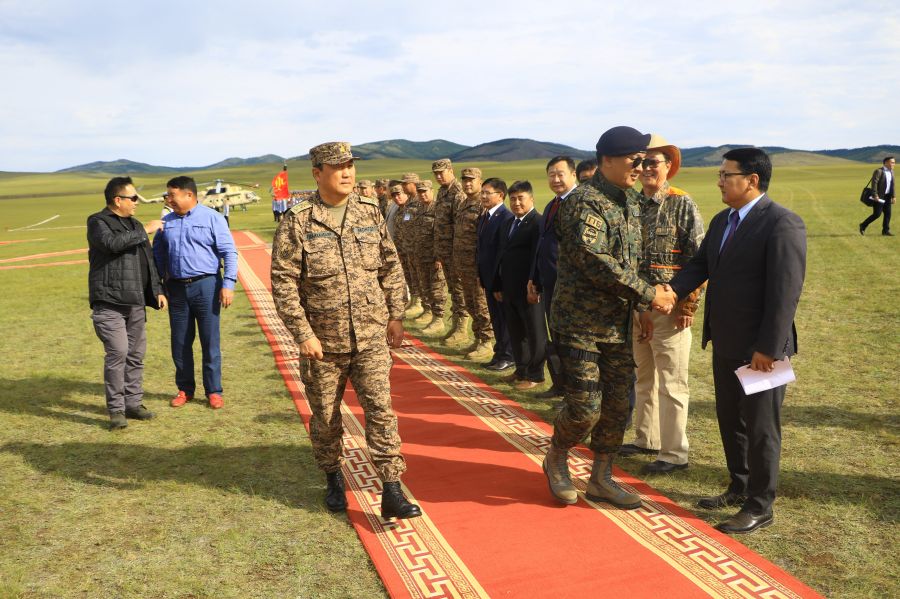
<point>122,281</point>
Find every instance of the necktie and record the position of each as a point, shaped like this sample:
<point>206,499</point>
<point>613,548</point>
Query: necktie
<point>554,206</point>
<point>515,225</point>
<point>733,220</point>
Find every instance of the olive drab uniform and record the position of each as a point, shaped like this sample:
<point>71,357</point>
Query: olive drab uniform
<point>465,241</point>
<point>430,277</point>
<point>599,232</point>
<point>446,203</point>
<point>342,283</point>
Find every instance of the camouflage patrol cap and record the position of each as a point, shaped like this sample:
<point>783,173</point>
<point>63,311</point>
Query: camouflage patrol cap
<point>365,183</point>
<point>381,182</point>
<point>471,173</point>
<point>332,152</point>
<point>441,165</point>
<point>423,185</point>
<point>396,189</point>
<point>410,178</point>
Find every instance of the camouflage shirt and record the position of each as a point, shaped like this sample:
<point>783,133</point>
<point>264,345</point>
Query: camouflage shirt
<point>332,282</point>
<point>423,232</point>
<point>446,203</point>
<point>403,225</point>
<point>599,232</point>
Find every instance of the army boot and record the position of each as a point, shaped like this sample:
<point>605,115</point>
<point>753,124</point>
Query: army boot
<point>395,505</point>
<point>117,421</point>
<point>459,334</point>
<point>556,467</point>
<point>424,318</point>
<point>601,486</point>
<point>482,350</point>
<point>413,307</point>
<point>335,494</point>
<point>435,327</point>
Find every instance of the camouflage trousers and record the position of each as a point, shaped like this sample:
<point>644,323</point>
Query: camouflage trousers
<point>596,386</point>
<point>454,286</point>
<point>325,380</point>
<point>410,273</point>
<point>431,284</point>
<point>475,301</point>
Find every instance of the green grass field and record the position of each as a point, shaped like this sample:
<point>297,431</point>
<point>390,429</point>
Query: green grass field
<point>228,504</point>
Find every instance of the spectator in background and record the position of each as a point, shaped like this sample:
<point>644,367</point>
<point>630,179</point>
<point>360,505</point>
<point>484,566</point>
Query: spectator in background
<point>883,185</point>
<point>495,218</point>
<point>586,169</point>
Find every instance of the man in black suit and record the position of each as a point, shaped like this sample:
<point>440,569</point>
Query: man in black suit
<point>754,257</point>
<point>883,185</point>
<point>494,219</point>
<point>524,320</point>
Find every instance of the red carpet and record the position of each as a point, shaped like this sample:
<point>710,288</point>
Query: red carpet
<point>490,527</point>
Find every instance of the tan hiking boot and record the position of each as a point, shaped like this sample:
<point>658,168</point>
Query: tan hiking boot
<point>460,332</point>
<point>435,327</point>
<point>482,350</point>
<point>602,487</point>
<point>556,467</point>
<point>424,318</point>
<point>413,308</point>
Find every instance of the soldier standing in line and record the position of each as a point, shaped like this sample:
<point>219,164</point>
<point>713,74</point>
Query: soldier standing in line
<point>449,197</point>
<point>381,192</point>
<point>465,240</point>
<point>330,252</point>
<point>430,274</point>
<point>415,308</point>
<point>366,189</point>
<point>403,220</point>
<point>599,233</point>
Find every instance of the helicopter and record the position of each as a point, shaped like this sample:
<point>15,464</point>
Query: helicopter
<point>215,194</point>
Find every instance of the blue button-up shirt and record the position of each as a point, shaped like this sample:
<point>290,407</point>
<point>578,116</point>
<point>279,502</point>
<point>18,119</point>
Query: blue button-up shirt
<point>194,244</point>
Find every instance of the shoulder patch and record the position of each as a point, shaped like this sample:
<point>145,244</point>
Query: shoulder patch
<point>304,205</point>
<point>367,200</point>
<point>593,221</point>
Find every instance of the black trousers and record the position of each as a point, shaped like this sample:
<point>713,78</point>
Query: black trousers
<point>877,210</point>
<point>502,344</point>
<point>527,335</point>
<point>750,426</point>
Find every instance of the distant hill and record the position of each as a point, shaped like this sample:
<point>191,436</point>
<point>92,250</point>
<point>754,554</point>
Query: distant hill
<point>873,154</point>
<point>230,162</point>
<point>404,149</point>
<point>508,150</point>
<point>117,167</point>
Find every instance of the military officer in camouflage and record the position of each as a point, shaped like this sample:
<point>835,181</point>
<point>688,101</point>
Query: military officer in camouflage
<point>406,246</point>
<point>465,239</point>
<point>599,233</point>
<point>338,287</point>
<point>449,197</point>
<point>430,275</point>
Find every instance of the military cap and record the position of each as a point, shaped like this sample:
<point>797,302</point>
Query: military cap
<point>423,185</point>
<point>441,165</point>
<point>365,183</point>
<point>396,188</point>
<point>621,141</point>
<point>471,173</point>
<point>333,152</point>
<point>381,183</point>
<point>410,178</point>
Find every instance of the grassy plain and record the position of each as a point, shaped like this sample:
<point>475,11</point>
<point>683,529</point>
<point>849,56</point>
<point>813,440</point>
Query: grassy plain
<point>228,504</point>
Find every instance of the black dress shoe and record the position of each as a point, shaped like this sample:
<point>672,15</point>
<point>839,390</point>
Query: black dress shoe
<point>887,234</point>
<point>744,522</point>
<point>632,449</point>
<point>395,505</point>
<point>500,365</point>
<point>862,229</point>
<point>335,494</point>
<point>488,364</point>
<point>660,467</point>
<point>726,499</point>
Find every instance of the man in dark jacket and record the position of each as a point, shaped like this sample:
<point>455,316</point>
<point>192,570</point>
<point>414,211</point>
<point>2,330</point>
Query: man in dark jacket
<point>122,281</point>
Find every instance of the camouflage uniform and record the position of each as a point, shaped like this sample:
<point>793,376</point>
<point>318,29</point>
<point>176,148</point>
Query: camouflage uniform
<point>465,241</point>
<point>342,285</point>
<point>430,277</point>
<point>448,199</point>
<point>384,200</point>
<point>599,234</point>
<point>672,230</point>
<point>404,218</point>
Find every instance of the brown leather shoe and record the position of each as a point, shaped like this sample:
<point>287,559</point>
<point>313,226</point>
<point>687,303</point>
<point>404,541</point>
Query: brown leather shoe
<point>510,378</point>
<point>746,522</point>
<point>525,385</point>
<point>726,499</point>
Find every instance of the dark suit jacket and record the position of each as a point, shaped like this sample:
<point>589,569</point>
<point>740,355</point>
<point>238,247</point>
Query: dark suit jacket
<point>515,254</point>
<point>879,184</point>
<point>489,244</point>
<point>754,285</point>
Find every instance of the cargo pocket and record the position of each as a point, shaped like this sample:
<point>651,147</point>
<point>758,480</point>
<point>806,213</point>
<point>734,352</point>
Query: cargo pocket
<point>369,245</point>
<point>321,258</point>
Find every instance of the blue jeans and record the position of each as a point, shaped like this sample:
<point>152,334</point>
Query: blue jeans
<point>194,306</point>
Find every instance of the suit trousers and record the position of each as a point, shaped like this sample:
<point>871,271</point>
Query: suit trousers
<point>123,331</point>
<point>527,335</point>
<point>195,307</point>
<point>750,427</point>
<point>502,344</point>
<point>877,210</point>
<point>661,390</point>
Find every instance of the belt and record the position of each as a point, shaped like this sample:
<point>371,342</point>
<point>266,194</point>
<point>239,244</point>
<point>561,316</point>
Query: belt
<point>192,279</point>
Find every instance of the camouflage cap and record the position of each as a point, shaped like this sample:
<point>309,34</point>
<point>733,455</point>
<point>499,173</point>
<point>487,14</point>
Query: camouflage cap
<point>381,182</point>
<point>441,165</point>
<point>333,152</point>
<point>396,188</point>
<point>365,183</point>
<point>471,173</point>
<point>423,185</point>
<point>410,178</point>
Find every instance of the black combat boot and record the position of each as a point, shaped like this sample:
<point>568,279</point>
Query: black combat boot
<point>335,495</point>
<point>395,505</point>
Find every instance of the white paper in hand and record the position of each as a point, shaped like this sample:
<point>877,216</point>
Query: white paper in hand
<point>754,381</point>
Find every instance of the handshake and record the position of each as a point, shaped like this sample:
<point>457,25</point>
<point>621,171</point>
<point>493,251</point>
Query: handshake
<point>665,299</point>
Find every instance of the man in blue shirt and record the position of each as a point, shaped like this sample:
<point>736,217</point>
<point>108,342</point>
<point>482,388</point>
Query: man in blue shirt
<point>188,253</point>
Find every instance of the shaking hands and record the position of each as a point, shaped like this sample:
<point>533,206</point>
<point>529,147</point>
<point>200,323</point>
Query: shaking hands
<point>664,300</point>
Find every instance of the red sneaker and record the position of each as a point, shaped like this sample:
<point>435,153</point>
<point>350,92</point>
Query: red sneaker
<point>216,401</point>
<point>180,399</point>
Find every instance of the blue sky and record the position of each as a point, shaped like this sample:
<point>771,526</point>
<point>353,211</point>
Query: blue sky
<point>189,83</point>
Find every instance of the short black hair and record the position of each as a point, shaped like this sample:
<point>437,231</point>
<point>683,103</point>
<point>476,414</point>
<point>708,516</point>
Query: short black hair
<point>586,165</point>
<point>115,187</point>
<point>886,158</point>
<point>752,161</point>
<point>520,186</point>
<point>183,182</point>
<point>567,159</point>
<point>498,184</point>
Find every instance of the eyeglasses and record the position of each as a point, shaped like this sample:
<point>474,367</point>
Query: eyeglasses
<point>653,162</point>
<point>723,175</point>
<point>133,198</point>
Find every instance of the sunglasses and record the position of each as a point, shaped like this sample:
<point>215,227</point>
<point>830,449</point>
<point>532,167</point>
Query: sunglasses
<point>133,198</point>
<point>653,162</point>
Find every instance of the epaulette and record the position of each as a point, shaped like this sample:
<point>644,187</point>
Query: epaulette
<point>368,200</point>
<point>676,191</point>
<point>304,205</point>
